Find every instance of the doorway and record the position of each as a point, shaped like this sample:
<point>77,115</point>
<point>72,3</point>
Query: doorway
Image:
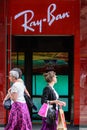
<point>38,54</point>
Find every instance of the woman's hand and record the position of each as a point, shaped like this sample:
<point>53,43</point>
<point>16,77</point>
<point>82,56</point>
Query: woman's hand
<point>6,97</point>
<point>3,102</point>
<point>9,90</point>
<point>60,103</point>
<point>63,103</point>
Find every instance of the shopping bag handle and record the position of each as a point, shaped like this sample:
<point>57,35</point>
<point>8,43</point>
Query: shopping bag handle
<point>60,106</point>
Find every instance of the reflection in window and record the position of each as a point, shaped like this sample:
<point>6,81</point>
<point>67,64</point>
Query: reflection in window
<point>17,60</point>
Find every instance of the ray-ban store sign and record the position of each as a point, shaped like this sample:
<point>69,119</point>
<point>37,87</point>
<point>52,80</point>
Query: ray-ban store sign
<point>29,23</point>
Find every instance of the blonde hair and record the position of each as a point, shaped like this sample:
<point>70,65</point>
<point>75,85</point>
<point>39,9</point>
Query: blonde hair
<point>49,76</point>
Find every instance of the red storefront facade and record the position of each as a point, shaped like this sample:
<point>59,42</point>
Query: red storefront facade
<point>83,63</point>
<point>39,18</point>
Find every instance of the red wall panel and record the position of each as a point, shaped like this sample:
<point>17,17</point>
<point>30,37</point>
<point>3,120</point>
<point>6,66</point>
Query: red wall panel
<point>83,63</point>
<point>2,62</point>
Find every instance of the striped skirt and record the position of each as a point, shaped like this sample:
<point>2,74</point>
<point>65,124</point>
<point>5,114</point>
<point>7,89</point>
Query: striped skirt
<point>19,117</point>
<point>46,126</point>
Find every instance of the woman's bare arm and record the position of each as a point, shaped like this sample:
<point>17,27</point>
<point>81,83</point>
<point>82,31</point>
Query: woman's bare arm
<point>26,91</point>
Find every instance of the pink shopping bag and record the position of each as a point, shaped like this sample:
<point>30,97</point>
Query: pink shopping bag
<point>43,110</point>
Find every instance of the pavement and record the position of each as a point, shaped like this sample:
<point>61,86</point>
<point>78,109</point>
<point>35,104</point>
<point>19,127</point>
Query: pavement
<point>69,127</point>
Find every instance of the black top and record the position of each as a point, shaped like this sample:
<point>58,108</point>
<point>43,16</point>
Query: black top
<point>48,94</point>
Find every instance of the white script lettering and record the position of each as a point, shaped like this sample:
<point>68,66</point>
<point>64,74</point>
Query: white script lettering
<point>29,22</point>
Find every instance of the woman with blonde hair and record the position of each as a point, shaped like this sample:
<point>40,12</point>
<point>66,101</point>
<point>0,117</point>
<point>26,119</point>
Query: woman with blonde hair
<point>51,96</point>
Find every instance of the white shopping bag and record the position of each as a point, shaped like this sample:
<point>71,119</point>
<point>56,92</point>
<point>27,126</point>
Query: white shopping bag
<point>61,120</point>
